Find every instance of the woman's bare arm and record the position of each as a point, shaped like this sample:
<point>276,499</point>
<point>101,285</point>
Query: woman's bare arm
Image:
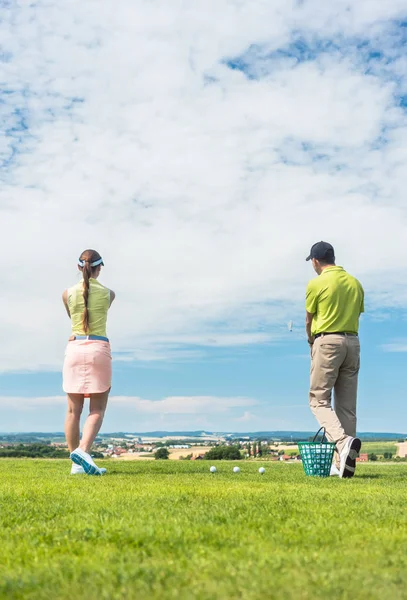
<point>112,297</point>
<point>65,301</point>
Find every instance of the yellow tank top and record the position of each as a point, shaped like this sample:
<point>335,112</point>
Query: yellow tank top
<point>98,305</point>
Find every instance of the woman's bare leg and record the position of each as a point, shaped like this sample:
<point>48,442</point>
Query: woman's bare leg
<point>72,421</point>
<point>94,421</point>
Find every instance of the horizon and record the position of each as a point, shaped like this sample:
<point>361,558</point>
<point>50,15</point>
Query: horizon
<point>214,433</point>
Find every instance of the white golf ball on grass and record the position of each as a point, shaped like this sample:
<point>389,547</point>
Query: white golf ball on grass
<point>236,470</point>
<point>213,469</point>
<point>262,470</point>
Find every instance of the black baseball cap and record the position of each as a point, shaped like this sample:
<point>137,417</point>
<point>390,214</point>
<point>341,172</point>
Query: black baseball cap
<point>322,251</point>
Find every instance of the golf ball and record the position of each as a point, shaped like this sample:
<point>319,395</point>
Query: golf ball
<point>236,470</point>
<point>213,469</point>
<point>262,470</point>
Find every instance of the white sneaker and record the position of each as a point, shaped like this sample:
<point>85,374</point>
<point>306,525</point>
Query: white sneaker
<point>348,457</point>
<point>84,460</point>
<point>334,471</point>
<point>78,470</point>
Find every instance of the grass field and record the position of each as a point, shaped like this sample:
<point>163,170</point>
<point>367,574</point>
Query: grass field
<point>379,448</point>
<point>170,529</point>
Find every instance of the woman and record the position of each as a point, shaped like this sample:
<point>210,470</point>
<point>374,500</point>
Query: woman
<point>88,363</point>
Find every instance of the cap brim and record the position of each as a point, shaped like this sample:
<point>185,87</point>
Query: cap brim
<point>309,257</point>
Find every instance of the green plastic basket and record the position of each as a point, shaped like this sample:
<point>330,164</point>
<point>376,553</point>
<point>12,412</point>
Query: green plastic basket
<point>317,456</point>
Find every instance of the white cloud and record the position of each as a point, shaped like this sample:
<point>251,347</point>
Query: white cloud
<point>24,403</point>
<point>247,416</point>
<point>138,414</point>
<point>187,413</point>
<point>162,348</point>
<point>183,405</point>
<point>202,188</point>
<point>178,405</point>
<point>400,346</point>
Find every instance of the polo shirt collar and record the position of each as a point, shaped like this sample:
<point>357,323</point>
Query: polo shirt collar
<point>333,268</point>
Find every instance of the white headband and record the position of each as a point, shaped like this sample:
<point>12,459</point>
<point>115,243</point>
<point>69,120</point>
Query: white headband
<point>81,263</point>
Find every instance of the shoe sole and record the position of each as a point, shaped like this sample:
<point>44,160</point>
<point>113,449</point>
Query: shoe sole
<point>102,472</point>
<point>88,468</point>
<point>350,462</point>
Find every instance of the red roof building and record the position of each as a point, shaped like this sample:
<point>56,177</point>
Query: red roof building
<point>363,458</point>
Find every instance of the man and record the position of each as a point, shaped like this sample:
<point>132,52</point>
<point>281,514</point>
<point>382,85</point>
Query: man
<point>334,302</point>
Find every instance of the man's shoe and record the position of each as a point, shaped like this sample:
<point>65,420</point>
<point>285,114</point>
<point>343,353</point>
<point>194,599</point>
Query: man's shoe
<point>78,470</point>
<point>348,457</point>
<point>84,460</point>
<point>334,471</point>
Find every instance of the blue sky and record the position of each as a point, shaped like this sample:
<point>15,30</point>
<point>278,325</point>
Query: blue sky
<point>202,150</point>
<point>270,380</point>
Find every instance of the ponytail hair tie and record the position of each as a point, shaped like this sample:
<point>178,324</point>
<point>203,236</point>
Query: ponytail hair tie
<point>96,263</point>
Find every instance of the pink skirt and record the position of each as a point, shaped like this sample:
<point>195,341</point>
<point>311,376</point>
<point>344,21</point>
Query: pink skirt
<point>87,367</point>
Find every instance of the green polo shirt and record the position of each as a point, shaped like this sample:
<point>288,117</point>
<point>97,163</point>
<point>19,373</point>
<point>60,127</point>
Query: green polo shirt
<point>336,299</point>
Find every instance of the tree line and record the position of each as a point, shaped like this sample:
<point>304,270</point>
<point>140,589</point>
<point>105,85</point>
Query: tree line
<point>37,451</point>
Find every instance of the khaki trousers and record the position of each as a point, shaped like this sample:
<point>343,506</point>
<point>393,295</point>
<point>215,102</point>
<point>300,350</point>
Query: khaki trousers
<point>335,363</point>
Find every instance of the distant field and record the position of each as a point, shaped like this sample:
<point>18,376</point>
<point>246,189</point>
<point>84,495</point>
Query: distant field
<point>379,448</point>
<point>166,530</point>
<point>175,453</point>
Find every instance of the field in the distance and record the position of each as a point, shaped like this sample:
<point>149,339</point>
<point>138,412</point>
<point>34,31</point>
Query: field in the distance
<point>169,529</point>
<point>380,448</point>
<point>175,453</point>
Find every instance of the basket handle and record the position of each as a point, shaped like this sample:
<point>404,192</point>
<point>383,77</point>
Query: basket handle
<point>323,435</point>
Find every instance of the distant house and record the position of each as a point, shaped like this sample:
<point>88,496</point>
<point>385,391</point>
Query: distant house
<point>363,458</point>
<point>142,448</point>
<point>198,457</point>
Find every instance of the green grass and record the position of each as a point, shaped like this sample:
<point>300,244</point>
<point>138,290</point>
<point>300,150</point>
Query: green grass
<point>379,448</point>
<point>170,530</point>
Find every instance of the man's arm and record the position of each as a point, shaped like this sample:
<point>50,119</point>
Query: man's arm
<point>65,301</point>
<point>308,327</point>
<point>311,304</point>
